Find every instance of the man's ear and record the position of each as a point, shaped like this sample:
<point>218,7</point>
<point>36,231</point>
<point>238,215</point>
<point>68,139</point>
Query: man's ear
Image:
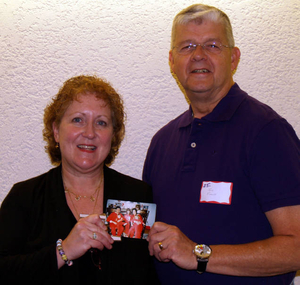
<point>171,61</point>
<point>235,58</point>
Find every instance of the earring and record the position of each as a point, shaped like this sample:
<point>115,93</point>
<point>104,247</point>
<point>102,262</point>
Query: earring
<point>57,145</point>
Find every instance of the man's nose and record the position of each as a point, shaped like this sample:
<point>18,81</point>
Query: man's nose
<point>199,53</point>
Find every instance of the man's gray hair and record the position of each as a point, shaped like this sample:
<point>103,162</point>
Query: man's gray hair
<point>198,13</point>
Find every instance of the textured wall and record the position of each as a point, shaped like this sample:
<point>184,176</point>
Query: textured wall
<point>43,43</point>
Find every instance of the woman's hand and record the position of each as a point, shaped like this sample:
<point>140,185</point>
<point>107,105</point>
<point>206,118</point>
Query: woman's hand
<point>89,232</point>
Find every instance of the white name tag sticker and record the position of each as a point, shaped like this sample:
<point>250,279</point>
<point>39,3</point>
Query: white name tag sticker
<point>216,192</point>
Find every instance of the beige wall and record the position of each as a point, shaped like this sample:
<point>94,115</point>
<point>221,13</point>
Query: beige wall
<point>43,43</point>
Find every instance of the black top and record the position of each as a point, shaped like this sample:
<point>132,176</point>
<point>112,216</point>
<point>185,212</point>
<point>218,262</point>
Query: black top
<point>35,214</point>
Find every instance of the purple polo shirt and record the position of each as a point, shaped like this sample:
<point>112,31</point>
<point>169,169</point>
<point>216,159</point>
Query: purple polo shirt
<point>243,143</point>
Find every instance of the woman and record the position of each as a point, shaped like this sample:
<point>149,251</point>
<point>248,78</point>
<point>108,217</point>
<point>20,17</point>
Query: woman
<point>43,240</point>
<point>137,225</point>
<point>127,217</point>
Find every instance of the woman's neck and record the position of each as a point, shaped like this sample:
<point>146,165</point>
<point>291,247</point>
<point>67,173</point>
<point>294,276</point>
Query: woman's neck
<point>84,183</point>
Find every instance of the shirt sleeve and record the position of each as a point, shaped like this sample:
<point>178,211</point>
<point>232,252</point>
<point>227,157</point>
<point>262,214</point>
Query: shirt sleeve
<point>19,260</point>
<point>145,171</point>
<point>275,166</point>
<point>148,164</point>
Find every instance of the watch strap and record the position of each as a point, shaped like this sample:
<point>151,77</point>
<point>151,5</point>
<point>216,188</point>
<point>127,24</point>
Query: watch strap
<point>202,263</point>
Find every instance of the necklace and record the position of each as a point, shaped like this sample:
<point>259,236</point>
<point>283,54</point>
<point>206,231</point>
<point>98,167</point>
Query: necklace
<point>93,200</point>
<point>78,197</point>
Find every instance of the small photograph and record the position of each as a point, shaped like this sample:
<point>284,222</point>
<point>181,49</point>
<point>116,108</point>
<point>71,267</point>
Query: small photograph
<point>129,219</point>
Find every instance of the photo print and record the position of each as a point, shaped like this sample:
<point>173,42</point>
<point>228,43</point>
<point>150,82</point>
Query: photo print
<point>129,219</point>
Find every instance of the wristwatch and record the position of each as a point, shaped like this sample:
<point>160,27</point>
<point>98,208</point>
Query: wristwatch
<point>202,253</point>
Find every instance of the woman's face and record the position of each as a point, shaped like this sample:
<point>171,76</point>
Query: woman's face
<point>85,134</point>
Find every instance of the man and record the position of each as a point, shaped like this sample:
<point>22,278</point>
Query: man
<point>116,221</point>
<point>225,174</point>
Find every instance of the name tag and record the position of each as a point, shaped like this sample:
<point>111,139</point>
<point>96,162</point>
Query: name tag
<point>216,192</point>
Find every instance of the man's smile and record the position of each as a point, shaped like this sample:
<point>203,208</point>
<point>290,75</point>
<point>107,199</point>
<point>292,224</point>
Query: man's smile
<point>203,70</point>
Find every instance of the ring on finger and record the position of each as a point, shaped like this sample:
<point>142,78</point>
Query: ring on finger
<point>160,246</point>
<point>95,236</point>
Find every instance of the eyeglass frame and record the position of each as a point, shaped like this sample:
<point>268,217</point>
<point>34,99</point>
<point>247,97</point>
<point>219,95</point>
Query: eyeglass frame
<point>204,46</point>
<point>95,257</point>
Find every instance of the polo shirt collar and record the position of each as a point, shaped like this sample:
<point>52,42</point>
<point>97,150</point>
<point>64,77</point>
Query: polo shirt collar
<point>222,112</point>
<point>186,118</point>
<point>228,105</point>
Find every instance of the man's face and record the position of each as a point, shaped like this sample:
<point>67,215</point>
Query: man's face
<point>201,73</point>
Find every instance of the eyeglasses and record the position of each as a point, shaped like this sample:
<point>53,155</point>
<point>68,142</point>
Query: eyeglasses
<point>95,256</point>
<point>212,47</point>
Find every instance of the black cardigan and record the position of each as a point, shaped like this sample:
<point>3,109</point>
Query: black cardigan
<point>35,214</point>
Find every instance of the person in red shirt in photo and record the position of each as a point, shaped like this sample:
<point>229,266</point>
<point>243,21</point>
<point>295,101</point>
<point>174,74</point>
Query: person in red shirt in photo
<point>127,224</point>
<point>116,221</point>
<point>137,225</point>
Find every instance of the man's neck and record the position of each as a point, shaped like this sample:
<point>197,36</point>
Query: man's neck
<point>200,110</point>
<point>204,105</point>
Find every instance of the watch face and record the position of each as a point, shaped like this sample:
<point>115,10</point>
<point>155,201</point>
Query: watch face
<point>202,251</point>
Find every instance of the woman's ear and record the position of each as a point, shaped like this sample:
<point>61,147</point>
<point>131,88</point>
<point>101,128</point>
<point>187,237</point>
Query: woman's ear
<point>55,132</point>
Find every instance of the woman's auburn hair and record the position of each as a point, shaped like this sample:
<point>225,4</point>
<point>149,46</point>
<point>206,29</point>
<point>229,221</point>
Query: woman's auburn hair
<point>72,88</point>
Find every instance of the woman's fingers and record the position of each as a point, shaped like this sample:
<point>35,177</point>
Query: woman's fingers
<point>89,232</point>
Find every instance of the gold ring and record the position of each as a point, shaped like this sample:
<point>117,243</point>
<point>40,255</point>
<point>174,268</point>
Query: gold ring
<point>160,246</point>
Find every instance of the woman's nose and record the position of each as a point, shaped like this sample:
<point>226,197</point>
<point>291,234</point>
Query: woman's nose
<point>89,131</point>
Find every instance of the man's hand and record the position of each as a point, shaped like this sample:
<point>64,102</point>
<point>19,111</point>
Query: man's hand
<point>168,243</point>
